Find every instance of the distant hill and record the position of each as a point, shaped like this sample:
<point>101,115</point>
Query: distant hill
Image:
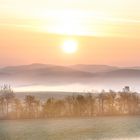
<point>41,74</point>
<point>25,67</point>
<point>135,68</point>
<point>121,73</point>
<point>53,75</point>
<point>94,68</point>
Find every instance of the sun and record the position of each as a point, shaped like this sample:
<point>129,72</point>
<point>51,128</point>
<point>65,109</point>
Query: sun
<point>69,46</point>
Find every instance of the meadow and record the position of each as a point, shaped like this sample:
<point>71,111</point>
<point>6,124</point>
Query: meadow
<point>98,128</point>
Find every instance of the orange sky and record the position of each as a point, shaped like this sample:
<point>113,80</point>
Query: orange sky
<point>108,32</point>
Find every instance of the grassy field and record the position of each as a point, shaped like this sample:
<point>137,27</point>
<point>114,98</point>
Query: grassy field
<point>104,128</point>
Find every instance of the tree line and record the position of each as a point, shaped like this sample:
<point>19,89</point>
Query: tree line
<point>109,103</point>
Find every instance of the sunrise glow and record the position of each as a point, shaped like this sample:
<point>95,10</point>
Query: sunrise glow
<point>69,46</point>
<point>101,31</point>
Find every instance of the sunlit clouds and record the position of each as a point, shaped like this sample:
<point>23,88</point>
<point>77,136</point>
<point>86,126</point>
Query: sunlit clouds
<point>87,18</point>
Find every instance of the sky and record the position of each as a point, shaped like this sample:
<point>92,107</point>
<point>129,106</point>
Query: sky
<point>106,31</point>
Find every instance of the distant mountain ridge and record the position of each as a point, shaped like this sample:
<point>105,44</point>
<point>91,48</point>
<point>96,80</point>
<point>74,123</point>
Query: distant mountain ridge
<point>81,67</point>
<point>94,68</point>
<point>47,74</point>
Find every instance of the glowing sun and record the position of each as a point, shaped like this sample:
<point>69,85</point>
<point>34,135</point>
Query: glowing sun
<point>69,46</point>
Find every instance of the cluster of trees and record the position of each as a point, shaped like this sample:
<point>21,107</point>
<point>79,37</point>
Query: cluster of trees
<point>78,105</point>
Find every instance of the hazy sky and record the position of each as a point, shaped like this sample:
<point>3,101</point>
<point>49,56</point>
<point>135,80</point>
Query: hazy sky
<point>107,31</point>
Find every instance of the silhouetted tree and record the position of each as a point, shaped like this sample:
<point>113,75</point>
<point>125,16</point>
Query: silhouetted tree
<point>18,108</point>
<point>90,104</point>
<point>7,95</point>
<point>31,106</point>
<point>102,98</point>
<point>2,104</point>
